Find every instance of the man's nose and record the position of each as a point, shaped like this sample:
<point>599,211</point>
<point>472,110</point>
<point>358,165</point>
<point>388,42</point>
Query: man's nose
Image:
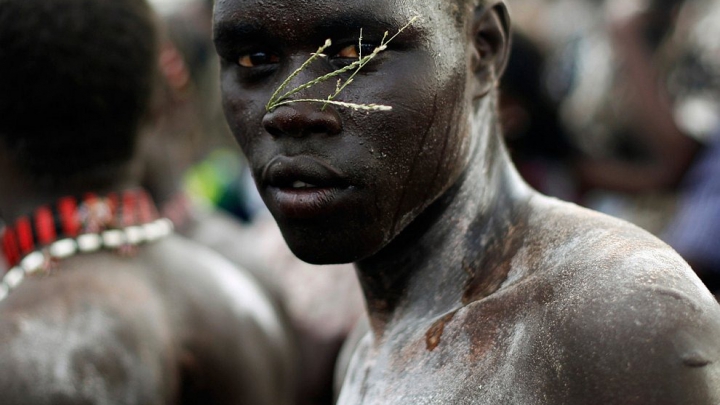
<point>302,119</point>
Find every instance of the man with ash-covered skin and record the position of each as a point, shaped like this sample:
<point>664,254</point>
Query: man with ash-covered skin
<point>480,290</point>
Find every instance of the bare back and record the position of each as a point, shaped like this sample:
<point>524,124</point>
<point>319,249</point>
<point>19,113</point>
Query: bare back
<point>175,324</point>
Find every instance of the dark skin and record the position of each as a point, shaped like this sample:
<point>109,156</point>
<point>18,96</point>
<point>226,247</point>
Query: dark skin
<point>479,290</point>
<point>171,324</point>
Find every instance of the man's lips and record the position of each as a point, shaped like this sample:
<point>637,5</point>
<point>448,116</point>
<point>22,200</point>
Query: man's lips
<point>301,173</point>
<point>302,187</point>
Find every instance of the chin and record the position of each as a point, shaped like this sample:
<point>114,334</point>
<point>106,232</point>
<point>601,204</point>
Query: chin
<point>323,246</point>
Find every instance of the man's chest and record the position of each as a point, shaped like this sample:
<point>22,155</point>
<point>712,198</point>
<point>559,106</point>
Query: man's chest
<point>456,368</point>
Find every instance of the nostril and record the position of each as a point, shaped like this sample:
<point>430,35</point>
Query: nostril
<point>271,125</point>
<point>302,120</point>
<point>278,121</point>
<point>325,121</point>
<point>317,129</point>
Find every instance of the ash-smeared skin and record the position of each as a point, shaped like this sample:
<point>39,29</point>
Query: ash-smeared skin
<point>480,291</point>
<point>174,325</point>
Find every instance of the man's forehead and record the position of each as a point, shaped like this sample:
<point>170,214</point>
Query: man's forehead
<point>301,22</point>
<point>303,12</point>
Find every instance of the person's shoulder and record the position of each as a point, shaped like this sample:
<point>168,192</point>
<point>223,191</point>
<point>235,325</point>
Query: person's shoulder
<point>87,321</point>
<point>599,262</point>
<point>211,281</point>
<point>216,298</point>
<point>629,319</point>
<point>246,246</point>
<point>575,240</point>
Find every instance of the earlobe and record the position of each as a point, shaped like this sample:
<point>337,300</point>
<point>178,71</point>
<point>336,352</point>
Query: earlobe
<point>491,40</point>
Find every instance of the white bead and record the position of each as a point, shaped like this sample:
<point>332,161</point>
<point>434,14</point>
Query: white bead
<point>14,277</point>
<point>134,235</point>
<point>158,229</point>
<point>32,262</point>
<point>152,231</point>
<point>113,238</point>
<point>166,226</point>
<point>63,248</point>
<point>89,242</point>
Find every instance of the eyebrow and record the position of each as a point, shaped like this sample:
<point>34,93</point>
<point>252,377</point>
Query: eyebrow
<point>231,30</point>
<point>352,23</point>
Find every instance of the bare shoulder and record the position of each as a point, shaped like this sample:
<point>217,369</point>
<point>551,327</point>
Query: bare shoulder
<point>93,330</point>
<point>209,282</point>
<point>583,250</point>
<point>625,321</point>
<point>244,246</point>
<point>235,339</point>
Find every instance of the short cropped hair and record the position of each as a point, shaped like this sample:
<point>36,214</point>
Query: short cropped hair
<point>76,77</point>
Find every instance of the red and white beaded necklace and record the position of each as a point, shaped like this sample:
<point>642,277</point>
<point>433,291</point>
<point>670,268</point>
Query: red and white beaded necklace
<point>117,221</point>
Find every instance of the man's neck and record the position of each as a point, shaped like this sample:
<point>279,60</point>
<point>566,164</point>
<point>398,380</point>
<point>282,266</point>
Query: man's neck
<point>451,254</point>
<point>21,196</point>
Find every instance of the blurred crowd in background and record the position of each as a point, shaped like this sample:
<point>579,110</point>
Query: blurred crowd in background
<point>614,105</point>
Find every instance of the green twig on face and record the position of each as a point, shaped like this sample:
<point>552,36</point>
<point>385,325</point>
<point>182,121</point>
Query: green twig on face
<point>358,107</point>
<point>274,99</point>
<point>277,99</point>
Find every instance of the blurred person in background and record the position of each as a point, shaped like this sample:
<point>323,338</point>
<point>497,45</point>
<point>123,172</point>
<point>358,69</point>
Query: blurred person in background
<point>103,304</point>
<point>694,80</point>
<point>322,304</point>
<point>695,229</point>
<point>657,152</point>
<point>533,130</point>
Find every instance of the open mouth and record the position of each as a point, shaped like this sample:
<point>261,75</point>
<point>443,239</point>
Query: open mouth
<point>299,185</point>
<point>301,172</point>
<point>302,186</point>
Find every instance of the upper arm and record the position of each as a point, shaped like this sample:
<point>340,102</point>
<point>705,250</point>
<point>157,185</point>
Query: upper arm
<point>650,344</point>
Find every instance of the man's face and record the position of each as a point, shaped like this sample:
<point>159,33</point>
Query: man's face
<point>342,183</point>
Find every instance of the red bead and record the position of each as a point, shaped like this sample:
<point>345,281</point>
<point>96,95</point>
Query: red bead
<point>25,235</point>
<point>45,226</point>
<point>11,248</point>
<point>67,208</point>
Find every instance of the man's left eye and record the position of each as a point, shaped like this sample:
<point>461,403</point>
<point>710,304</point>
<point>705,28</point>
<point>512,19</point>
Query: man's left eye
<point>256,59</point>
<point>353,51</point>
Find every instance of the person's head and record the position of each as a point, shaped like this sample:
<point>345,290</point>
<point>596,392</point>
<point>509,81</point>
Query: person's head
<point>374,172</point>
<point>76,77</point>
<point>188,120</point>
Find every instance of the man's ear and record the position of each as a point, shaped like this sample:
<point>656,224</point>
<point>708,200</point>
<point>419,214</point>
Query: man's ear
<point>491,40</point>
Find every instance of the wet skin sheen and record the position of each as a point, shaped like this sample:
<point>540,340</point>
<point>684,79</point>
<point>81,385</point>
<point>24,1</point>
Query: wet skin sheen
<point>479,290</point>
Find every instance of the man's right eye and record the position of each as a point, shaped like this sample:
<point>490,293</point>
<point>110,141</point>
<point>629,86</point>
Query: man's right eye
<point>255,59</point>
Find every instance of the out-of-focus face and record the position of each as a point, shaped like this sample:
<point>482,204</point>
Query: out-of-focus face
<point>341,183</point>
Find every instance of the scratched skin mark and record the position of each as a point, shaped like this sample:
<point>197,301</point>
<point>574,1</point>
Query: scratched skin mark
<point>434,334</point>
<point>696,360</point>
